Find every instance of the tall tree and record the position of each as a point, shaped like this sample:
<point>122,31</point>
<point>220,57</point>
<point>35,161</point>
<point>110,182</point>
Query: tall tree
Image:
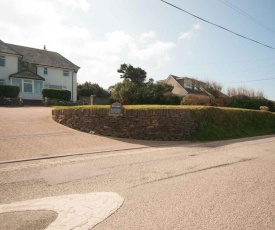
<point>87,89</point>
<point>136,75</point>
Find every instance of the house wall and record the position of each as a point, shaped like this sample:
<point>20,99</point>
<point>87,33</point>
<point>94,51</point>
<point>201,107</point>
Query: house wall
<point>31,96</point>
<point>11,66</point>
<point>178,89</point>
<point>55,78</point>
<point>74,86</point>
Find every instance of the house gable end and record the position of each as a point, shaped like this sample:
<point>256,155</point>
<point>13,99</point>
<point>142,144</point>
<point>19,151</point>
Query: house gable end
<point>6,49</point>
<point>178,88</point>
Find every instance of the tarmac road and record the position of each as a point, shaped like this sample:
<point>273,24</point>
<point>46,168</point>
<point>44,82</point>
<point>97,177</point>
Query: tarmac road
<point>218,185</point>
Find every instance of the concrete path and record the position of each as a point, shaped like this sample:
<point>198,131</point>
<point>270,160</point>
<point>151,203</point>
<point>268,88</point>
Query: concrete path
<point>29,132</point>
<point>77,211</point>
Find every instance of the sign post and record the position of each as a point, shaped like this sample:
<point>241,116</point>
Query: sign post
<point>116,109</point>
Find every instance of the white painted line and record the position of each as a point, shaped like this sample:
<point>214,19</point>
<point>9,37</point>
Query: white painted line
<point>77,211</point>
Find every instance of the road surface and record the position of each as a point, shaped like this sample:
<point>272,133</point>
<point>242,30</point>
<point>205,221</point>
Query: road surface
<point>217,185</point>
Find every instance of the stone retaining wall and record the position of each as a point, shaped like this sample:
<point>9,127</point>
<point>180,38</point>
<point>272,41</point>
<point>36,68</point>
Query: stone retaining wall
<point>153,124</point>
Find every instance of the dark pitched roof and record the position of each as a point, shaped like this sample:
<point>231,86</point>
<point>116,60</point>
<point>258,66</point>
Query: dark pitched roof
<point>27,74</point>
<point>4,48</point>
<point>43,57</point>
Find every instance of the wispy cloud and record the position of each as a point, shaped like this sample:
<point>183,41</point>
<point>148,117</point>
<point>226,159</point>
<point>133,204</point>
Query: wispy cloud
<point>196,26</point>
<point>189,34</point>
<point>186,35</point>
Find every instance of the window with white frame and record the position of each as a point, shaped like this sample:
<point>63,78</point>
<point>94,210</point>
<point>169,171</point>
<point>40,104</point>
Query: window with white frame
<point>17,82</point>
<point>65,73</point>
<point>28,86</point>
<point>2,61</point>
<point>188,83</point>
<point>2,82</point>
<point>55,86</point>
<point>37,86</point>
<point>45,71</point>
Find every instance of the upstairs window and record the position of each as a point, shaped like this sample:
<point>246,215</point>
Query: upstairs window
<point>2,61</point>
<point>45,71</point>
<point>65,73</point>
<point>188,83</point>
<point>25,64</point>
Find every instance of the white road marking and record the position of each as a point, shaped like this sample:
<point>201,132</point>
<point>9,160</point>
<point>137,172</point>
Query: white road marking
<point>77,211</point>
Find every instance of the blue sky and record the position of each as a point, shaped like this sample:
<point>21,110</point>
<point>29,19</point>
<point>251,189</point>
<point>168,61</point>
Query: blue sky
<point>99,35</point>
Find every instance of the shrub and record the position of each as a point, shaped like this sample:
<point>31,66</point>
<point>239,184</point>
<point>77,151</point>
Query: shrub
<point>221,101</point>
<point>215,123</point>
<point>64,95</point>
<point>242,101</point>
<point>196,99</point>
<point>147,93</point>
<point>87,89</point>
<point>10,91</point>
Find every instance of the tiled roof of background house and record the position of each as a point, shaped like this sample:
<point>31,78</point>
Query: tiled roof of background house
<point>43,57</point>
<point>4,48</point>
<point>27,74</point>
<point>181,80</point>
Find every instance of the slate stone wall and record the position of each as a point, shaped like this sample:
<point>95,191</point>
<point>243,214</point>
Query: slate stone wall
<point>153,124</point>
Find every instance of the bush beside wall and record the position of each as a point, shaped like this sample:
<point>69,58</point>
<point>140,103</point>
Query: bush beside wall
<point>58,94</point>
<point>242,101</point>
<point>9,91</point>
<point>227,123</point>
<point>160,123</point>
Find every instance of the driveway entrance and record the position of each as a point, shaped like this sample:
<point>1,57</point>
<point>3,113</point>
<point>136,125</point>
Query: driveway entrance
<point>29,132</point>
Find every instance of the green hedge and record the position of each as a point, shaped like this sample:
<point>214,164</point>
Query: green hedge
<point>10,91</point>
<point>227,123</point>
<point>64,95</point>
<point>242,101</point>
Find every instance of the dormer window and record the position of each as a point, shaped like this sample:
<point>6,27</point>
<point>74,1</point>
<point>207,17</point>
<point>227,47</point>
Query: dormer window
<point>188,83</point>
<point>45,71</point>
<point>2,61</point>
<point>65,73</point>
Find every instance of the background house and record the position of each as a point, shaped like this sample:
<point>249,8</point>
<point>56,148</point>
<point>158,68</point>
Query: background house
<point>33,69</point>
<point>185,85</point>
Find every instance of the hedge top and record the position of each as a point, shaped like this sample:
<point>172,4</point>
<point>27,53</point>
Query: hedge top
<point>157,107</point>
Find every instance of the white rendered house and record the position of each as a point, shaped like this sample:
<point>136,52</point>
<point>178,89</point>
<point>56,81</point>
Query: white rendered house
<point>34,69</point>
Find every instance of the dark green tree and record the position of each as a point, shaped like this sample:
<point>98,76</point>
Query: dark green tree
<point>136,75</point>
<point>127,92</point>
<point>87,89</point>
